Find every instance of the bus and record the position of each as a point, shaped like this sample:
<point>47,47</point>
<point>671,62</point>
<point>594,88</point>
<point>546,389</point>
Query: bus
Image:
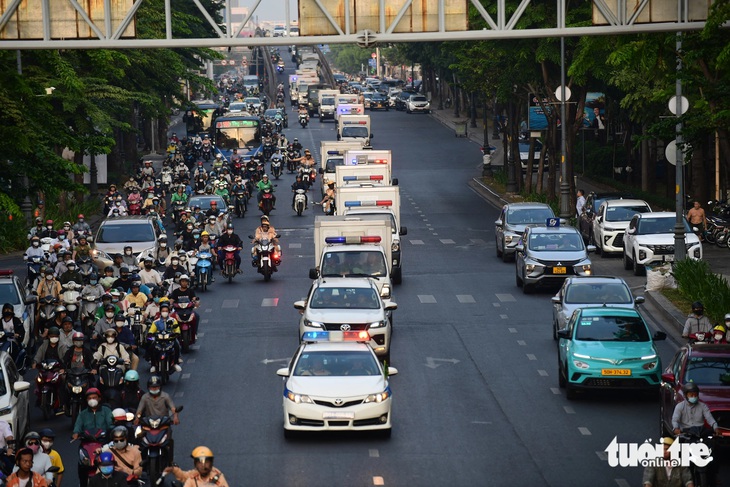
<point>199,117</point>
<point>242,132</point>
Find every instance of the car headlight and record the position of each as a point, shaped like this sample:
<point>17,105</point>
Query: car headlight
<point>649,365</point>
<point>298,398</point>
<point>586,268</point>
<point>529,267</point>
<point>385,292</point>
<point>377,324</point>
<point>380,397</point>
<point>508,239</point>
<point>642,254</point>
<point>313,324</point>
<point>395,247</point>
<point>580,364</point>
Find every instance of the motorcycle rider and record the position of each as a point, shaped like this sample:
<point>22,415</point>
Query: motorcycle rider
<point>129,458</point>
<point>96,416</point>
<point>81,227</point>
<point>222,191</point>
<point>156,402</point>
<point>48,437</point>
<point>82,249</point>
<point>71,274</point>
<point>183,290</point>
<point>131,392</point>
<point>696,322</point>
<point>213,210</point>
<point>61,240</point>
<point>66,337</point>
<point>164,323</point>
<point>186,236</point>
<point>126,338</point>
<point>693,413</point>
<point>230,238</point>
<point>128,258</point>
<point>41,461</point>
<point>262,185</point>
<point>200,172</point>
<point>78,356</point>
<point>173,268</point>
<point>49,349</point>
<point>37,229</point>
<point>265,230</point>
<point>329,196</point>
<point>162,251</point>
<point>206,245</point>
<point>299,184</point>
<point>48,286</point>
<point>719,334</point>
<point>148,275</point>
<point>297,146</point>
<point>49,232</point>
<point>107,476</point>
<point>70,235</point>
<point>12,325</point>
<point>203,474</point>
<point>24,464</point>
<point>111,346</point>
<point>106,322</point>
<point>130,184</point>
<point>213,226</point>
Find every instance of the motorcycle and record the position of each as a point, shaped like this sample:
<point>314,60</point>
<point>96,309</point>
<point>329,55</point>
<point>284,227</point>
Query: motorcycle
<point>48,384</point>
<point>15,350</point>
<point>268,150</point>
<point>700,474</point>
<point>70,297</point>
<point>156,444</point>
<point>267,201</point>
<point>177,208</point>
<point>166,177</point>
<point>240,204</point>
<point>204,270</point>
<point>228,266</point>
<point>303,120</point>
<point>207,153</point>
<point>77,382</point>
<point>187,318</point>
<point>279,125</point>
<point>89,450</point>
<point>268,257</point>
<point>134,207</point>
<point>35,265</point>
<point>306,175</point>
<point>137,325</point>
<point>291,166</point>
<point>276,165</point>
<point>89,303</point>
<point>300,201</point>
<point>86,267</point>
<point>279,69</point>
<point>111,380</point>
<point>47,312</point>
<point>163,356</point>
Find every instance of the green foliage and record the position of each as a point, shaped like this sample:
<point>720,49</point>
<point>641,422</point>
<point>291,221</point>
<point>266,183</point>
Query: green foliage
<point>697,282</point>
<point>554,203</point>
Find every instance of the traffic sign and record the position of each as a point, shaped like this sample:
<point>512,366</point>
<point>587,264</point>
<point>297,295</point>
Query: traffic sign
<point>372,62</point>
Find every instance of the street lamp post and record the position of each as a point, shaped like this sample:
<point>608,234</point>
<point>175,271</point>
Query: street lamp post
<point>680,252</point>
<point>563,97</point>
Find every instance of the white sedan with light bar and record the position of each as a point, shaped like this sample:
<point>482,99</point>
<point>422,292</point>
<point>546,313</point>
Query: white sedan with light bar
<point>335,383</point>
<point>343,304</point>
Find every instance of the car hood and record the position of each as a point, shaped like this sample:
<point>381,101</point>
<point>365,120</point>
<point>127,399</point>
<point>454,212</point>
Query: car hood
<point>337,387</point>
<point>561,256</point>
<point>567,309</point>
<point>716,398</point>
<point>330,315</point>
<point>665,239</point>
<point>615,351</point>
<point>616,225</point>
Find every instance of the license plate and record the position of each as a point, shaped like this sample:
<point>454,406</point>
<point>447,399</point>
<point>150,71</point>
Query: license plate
<point>615,371</point>
<point>338,415</point>
<point>559,270</point>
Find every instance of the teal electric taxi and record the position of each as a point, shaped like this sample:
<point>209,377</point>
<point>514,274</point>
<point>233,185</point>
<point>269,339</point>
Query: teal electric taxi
<point>607,348</point>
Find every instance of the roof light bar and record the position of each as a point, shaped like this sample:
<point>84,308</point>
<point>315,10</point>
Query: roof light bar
<point>355,204</point>
<point>353,239</point>
<point>372,177</point>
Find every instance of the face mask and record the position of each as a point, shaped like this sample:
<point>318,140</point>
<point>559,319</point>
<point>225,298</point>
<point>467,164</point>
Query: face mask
<point>175,261</point>
<point>110,314</point>
<point>110,339</point>
<point>155,392</point>
<point>35,448</point>
<point>148,266</point>
<point>692,400</point>
<point>164,314</point>
<point>93,282</point>
<point>700,312</point>
<point>114,300</point>
<point>8,314</point>
<point>49,228</point>
<point>53,339</point>
<point>120,444</point>
<point>163,245</point>
<point>61,237</point>
<point>78,344</point>
<point>35,244</point>
<point>718,336</point>
<point>49,276</point>
<point>92,403</point>
<point>106,469</point>
<point>81,220</point>
<point>128,252</point>
<point>47,445</point>
<point>156,300</point>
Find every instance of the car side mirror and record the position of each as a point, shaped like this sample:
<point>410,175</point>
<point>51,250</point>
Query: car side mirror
<point>660,335</point>
<point>321,171</point>
<point>313,273</point>
<point>599,219</point>
<point>30,299</point>
<point>639,300</point>
<point>391,306</point>
<point>520,248</point>
<point>300,305</point>
<point>403,231</point>
<point>394,182</point>
<point>556,300</point>
<point>668,378</point>
<point>392,371</point>
<point>283,372</point>
<point>591,248</point>
<point>372,135</point>
<point>498,223</point>
<point>21,386</point>
<point>564,333</point>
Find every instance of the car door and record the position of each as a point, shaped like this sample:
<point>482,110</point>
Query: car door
<point>669,392</point>
<point>558,308</point>
<point>629,237</point>
<point>499,230</point>
<point>597,223</point>
<point>18,400</point>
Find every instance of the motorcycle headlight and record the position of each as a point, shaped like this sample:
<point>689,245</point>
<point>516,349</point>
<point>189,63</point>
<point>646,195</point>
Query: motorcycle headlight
<point>298,398</point>
<point>377,324</point>
<point>380,397</point>
<point>76,389</point>
<point>314,324</point>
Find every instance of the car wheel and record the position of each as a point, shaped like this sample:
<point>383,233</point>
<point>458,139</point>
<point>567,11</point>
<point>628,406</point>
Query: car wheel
<point>561,375</point>
<point>499,252</point>
<point>518,281</point>
<point>555,330</point>
<point>638,269</point>
<point>627,262</point>
<point>570,392</point>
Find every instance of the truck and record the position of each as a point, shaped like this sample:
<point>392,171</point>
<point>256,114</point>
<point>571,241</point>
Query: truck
<point>344,243</point>
<point>332,155</point>
<point>376,201</point>
<point>251,83</point>
<point>327,104</point>
<point>313,97</point>
<point>354,127</point>
<point>364,175</point>
<point>348,109</point>
<point>350,98</point>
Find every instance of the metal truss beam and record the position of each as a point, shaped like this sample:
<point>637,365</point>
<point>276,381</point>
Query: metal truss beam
<point>623,18</point>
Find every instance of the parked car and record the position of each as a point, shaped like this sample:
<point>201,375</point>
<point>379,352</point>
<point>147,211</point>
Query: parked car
<point>611,221</point>
<point>592,204</point>
<point>402,98</point>
<point>12,291</point>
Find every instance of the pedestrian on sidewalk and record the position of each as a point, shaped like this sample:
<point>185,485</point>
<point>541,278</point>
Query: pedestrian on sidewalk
<point>696,218</point>
<point>580,202</point>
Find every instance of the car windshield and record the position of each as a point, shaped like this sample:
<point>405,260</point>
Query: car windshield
<point>360,264</point>
<point>336,363</point>
<point>237,106</point>
<point>708,371</point>
<point>204,202</point>
<point>528,216</point>
<point>555,242</point>
<point>271,113</point>
<point>252,100</point>
<point>344,298</point>
<point>611,329</point>
<point>599,293</point>
<point>624,213</point>
<point>656,225</point>
<point>333,162</point>
<point>355,131</point>
<point>418,98</point>
<point>9,293</point>
<point>126,233</point>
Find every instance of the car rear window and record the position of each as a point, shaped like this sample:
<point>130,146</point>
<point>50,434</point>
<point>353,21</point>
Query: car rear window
<point>598,293</point>
<point>9,293</point>
<point>611,329</point>
<point>714,371</point>
<point>128,232</point>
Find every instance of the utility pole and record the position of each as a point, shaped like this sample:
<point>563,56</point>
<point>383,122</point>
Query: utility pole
<point>680,252</point>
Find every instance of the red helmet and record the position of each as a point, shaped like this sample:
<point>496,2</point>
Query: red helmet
<point>77,336</point>
<point>81,216</point>
<point>49,222</point>
<point>93,390</point>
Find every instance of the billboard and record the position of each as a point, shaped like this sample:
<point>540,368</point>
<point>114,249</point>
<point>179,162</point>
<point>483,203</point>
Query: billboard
<point>594,112</point>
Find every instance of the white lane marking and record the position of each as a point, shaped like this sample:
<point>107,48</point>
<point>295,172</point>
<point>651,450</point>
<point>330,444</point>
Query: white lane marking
<point>496,305</point>
<point>425,219</point>
<point>465,298</point>
<point>477,241</point>
<point>602,456</point>
<point>185,376</point>
<point>374,453</point>
<point>426,298</point>
<point>504,317</point>
<point>505,298</point>
<point>201,334</point>
<point>191,360</point>
<point>584,431</point>
<point>543,373</point>
<point>268,361</point>
<point>179,394</point>
<point>208,310</point>
<point>194,347</point>
<point>377,480</point>
<point>447,241</point>
<point>203,321</point>
<point>416,242</point>
<point>622,483</point>
<point>521,343</point>
<point>269,302</point>
<point>569,409</point>
<point>420,211</point>
<point>435,233</point>
<point>555,390</point>
<point>512,330</point>
<point>295,246</point>
<point>531,356</point>
<point>230,303</point>
<point>416,207</point>
<point>481,422</point>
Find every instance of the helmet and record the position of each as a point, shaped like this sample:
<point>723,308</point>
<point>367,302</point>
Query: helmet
<point>185,277</point>
<point>131,376</point>
<point>53,331</point>
<point>230,226</point>
<point>66,224</point>
<point>109,306</point>
<point>120,431</point>
<point>120,317</point>
<point>697,305</point>
<point>92,390</point>
<point>62,232</point>
<point>213,203</point>
<point>49,271</point>
<point>205,233</point>
<point>119,414</point>
<point>67,319</point>
<point>218,156</point>
<point>162,238</point>
<point>154,381</point>
<point>201,452</point>
<point>38,220</point>
<point>690,387</point>
<point>721,328</point>
<point>106,458</point>
<point>111,332</point>
<point>47,433</point>
<point>93,276</point>
<point>31,435</point>
<point>81,216</point>
<point>49,222</point>
<point>265,176</point>
<point>727,317</point>
<point>77,336</point>
<point>136,284</point>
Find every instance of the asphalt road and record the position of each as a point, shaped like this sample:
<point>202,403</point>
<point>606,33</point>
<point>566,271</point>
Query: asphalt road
<point>476,401</point>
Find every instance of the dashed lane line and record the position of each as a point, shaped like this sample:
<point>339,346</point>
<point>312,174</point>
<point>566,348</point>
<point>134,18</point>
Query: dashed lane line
<point>377,480</point>
<point>569,409</point>
<point>584,431</point>
<point>531,356</point>
<point>521,343</point>
<point>416,242</point>
<point>185,376</point>
<point>504,317</point>
<point>426,298</point>
<point>512,330</point>
<point>230,303</point>
<point>465,298</point>
<point>555,391</point>
<point>447,241</point>
<point>506,298</point>
<point>269,302</point>
<point>374,453</point>
<point>543,373</point>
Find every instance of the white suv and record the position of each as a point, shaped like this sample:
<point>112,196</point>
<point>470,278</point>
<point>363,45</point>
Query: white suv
<point>650,238</point>
<point>611,221</point>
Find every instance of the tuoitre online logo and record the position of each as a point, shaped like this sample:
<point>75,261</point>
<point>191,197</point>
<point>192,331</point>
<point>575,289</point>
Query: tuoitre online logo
<point>650,454</point>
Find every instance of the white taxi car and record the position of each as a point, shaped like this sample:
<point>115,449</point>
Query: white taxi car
<point>335,382</point>
<point>611,221</point>
<point>348,304</point>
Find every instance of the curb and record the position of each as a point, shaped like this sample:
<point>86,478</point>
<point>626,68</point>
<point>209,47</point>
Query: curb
<point>486,192</point>
<point>672,317</point>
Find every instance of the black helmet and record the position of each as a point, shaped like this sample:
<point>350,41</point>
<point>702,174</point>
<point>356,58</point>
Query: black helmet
<point>698,305</point>
<point>119,432</point>
<point>690,387</point>
<point>230,226</point>
<point>93,276</point>
<point>154,381</point>
<point>109,307</point>
<point>54,331</point>
<point>8,307</point>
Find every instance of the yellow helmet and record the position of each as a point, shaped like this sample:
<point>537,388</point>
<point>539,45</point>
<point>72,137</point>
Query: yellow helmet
<point>201,453</point>
<point>205,233</point>
<point>164,300</point>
